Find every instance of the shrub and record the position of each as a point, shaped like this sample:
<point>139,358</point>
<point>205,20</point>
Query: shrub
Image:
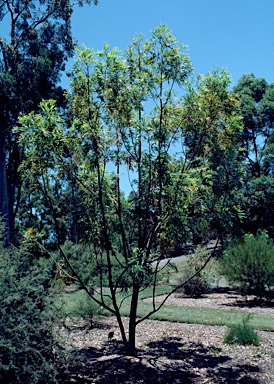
<point>195,287</point>
<point>243,334</point>
<point>198,285</point>
<point>250,264</point>
<point>27,343</point>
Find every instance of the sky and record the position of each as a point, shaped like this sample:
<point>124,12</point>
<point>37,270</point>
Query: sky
<point>234,34</point>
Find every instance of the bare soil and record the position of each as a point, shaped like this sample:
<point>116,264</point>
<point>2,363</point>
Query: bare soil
<point>168,353</point>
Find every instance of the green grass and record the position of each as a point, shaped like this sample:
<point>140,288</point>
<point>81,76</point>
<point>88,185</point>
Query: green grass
<point>175,269</point>
<point>79,304</point>
<point>207,316</point>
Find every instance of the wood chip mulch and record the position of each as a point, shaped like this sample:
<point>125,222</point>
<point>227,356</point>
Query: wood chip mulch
<point>168,353</point>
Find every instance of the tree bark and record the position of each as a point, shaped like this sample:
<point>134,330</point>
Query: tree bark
<point>131,345</point>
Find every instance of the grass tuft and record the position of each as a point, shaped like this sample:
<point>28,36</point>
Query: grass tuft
<point>243,334</point>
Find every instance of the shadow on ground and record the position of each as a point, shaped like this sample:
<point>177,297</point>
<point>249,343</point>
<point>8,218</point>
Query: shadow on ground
<point>244,301</point>
<point>165,361</point>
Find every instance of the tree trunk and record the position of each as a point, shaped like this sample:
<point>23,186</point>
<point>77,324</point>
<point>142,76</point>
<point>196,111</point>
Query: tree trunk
<point>4,198</point>
<point>131,345</point>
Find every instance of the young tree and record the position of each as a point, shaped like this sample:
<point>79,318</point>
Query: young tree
<point>32,56</point>
<point>125,120</point>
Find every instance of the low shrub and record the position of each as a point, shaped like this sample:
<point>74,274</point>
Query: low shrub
<point>198,285</point>
<point>243,334</point>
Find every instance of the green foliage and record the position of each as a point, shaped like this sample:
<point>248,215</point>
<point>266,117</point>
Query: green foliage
<point>258,203</point>
<point>27,319</point>
<point>250,263</point>
<point>196,287</point>
<point>33,51</point>
<point>257,109</point>
<point>256,142</point>
<point>211,139</point>
<point>199,284</point>
<point>243,334</point>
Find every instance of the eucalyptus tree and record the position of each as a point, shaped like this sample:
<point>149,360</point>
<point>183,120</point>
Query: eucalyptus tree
<point>33,53</point>
<point>257,144</point>
<point>257,109</point>
<point>132,114</point>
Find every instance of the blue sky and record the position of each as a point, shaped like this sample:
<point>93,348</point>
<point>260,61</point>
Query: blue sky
<point>235,34</point>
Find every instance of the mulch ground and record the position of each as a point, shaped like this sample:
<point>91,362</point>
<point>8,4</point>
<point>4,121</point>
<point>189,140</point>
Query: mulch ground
<point>167,353</point>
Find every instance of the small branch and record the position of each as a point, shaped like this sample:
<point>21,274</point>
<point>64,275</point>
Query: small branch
<point>77,277</point>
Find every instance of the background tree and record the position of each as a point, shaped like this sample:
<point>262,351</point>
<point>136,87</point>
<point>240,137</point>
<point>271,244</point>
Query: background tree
<point>32,57</point>
<point>256,140</point>
<point>257,127</point>
<point>211,130</point>
<point>125,118</point>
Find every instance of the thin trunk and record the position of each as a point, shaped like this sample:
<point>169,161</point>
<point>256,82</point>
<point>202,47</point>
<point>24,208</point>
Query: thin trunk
<point>257,168</point>
<point>4,198</point>
<point>131,345</point>
<point>126,252</point>
<point>109,249</point>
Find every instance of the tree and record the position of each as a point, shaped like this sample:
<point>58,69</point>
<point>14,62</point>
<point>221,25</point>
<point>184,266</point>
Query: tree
<point>211,132</point>
<point>257,109</point>
<point>256,140</point>
<point>257,128</point>
<point>124,118</point>
<point>32,58</point>
<point>250,263</point>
